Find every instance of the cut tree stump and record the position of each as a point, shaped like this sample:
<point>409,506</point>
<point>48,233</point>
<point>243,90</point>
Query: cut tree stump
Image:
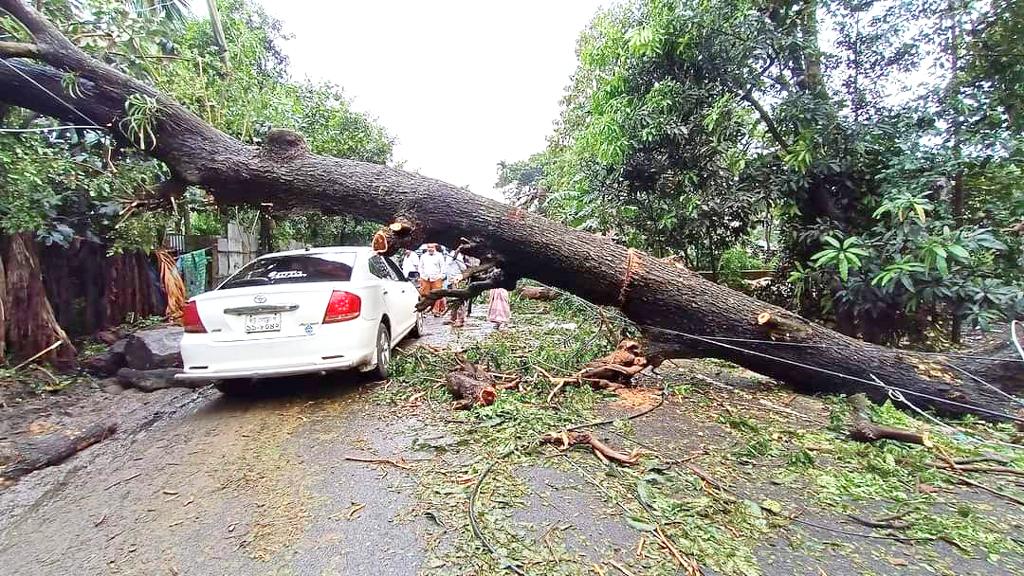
<point>472,385</point>
<point>542,293</point>
<point>682,314</point>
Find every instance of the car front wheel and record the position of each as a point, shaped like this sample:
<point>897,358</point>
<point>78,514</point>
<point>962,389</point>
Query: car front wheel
<point>417,328</point>
<point>383,352</point>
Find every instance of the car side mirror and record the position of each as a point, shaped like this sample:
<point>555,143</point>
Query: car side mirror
<point>413,276</point>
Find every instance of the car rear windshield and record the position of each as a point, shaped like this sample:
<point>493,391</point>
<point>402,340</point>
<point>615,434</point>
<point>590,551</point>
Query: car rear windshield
<point>294,269</point>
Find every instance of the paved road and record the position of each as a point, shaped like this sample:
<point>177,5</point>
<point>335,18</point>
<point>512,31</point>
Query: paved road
<point>198,483</point>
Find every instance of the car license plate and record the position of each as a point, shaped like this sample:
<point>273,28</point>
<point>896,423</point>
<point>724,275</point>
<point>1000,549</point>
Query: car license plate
<point>262,323</point>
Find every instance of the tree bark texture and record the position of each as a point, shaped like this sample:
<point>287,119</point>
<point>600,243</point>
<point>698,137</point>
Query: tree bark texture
<point>30,323</point>
<point>128,289</point>
<point>680,311</point>
<point>3,309</point>
<point>19,459</point>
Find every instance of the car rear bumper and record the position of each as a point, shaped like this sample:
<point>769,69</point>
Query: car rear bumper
<point>333,348</point>
<point>267,372</point>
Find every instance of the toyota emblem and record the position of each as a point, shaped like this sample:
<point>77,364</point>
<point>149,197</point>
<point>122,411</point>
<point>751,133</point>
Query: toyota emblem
<point>259,299</point>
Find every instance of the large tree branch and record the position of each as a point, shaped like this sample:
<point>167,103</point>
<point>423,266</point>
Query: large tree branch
<point>675,303</point>
<point>18,50</point>
<point>766,118</point>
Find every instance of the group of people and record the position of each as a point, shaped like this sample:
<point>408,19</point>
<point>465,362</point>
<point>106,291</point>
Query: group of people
<point>439,269</point>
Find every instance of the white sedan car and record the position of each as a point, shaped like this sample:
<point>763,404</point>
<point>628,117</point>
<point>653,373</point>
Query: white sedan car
<point>297,312</point>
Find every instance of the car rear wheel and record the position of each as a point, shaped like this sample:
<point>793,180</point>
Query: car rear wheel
<point>383,367</point>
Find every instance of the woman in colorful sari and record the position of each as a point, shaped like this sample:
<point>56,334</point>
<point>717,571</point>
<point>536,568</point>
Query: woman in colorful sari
<point>498,310</point>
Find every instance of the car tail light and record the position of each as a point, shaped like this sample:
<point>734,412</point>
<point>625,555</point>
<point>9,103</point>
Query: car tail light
<point>190,318</point>
<point>342,306</point>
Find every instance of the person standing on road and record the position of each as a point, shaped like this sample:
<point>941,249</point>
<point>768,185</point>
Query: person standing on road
<point>499,312</point>
<point>456,265</point>
<point>411,263</point>
<point>432,273</point>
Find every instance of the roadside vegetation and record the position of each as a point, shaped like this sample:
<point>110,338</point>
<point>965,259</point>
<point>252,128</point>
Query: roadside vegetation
<point>869,153</point>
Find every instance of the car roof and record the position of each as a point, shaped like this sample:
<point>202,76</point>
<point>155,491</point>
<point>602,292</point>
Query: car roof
<point>362,250</point>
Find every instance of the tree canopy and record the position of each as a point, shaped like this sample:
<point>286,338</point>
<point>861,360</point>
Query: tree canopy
<point>76,182</point>
<point>871,150</point>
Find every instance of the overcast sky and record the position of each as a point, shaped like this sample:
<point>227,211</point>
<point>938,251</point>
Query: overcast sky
<point>461,84</point>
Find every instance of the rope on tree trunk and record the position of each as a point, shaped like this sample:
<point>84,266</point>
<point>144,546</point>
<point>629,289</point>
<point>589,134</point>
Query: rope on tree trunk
<point>631,259</point>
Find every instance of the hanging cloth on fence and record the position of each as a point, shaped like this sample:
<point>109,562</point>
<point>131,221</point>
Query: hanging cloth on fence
<point>172,284</point>
<point>193,269</point>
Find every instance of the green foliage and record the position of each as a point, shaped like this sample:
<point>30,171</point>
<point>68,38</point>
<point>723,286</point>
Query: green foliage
<point>645,147</point>
<point>140,115</point>
<point>70,184</point>
<point>687,119</point>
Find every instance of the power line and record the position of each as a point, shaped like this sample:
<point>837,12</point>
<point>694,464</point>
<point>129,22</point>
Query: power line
<point>1016,341</point>
<point>808,345</point>
<point>848,377</point>
<point>46,129</point>
<point>55,97</point>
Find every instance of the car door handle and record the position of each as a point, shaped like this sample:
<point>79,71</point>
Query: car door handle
<point>385,292</point>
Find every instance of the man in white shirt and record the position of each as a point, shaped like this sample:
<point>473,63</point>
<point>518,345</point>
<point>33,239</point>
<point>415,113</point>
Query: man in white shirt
<point>432,269</point>
<point>411,263</point>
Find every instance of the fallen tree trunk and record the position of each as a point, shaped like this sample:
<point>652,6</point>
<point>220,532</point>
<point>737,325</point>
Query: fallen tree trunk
<point>18,459</point>
<point>681,313</point>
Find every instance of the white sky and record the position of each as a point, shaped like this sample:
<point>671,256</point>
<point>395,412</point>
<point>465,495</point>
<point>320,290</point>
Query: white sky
<point>461,84</point>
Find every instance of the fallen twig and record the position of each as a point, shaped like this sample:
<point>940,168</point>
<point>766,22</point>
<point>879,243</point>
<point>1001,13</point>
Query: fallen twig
<point>986,488</point>
<point>864,430</point>
<point>394,463</point>
<point>116,482</point>
<point>687,563</point>
<point>53,346</point>
<point>888,522</point>
<point>601,450</point>
<point>956,465</point>
<point>980,459</point>
<point>620,568</point>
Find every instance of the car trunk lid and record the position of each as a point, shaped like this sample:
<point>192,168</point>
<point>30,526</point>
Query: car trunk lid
<point>257,313</point>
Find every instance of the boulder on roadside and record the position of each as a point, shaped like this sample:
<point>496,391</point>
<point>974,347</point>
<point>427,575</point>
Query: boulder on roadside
<point>151,380</point>
<point>153,349</point>
<point>103,364</point>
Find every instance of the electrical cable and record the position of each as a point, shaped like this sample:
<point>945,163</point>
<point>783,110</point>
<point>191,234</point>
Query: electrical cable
<point>55,97</point>
<point>848,377</point>
<point>46,129</point>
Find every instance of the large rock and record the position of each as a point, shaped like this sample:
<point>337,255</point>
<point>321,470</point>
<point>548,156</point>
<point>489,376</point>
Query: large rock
<point>153,349</point>
<point>103,364</point>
